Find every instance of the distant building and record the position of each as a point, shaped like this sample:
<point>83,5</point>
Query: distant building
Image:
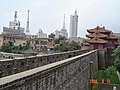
<point>118,34</point>
<point>4,55</point>
<point>1,40</point>
<point>100,38</point>
<point>15,24</point>
<point>78,40</point>
<point>41,34</point>
<point>14,33</point>
<point>73,25</point>
<point>39,44</point>
<point>14,29</point>
<point>63,31</point>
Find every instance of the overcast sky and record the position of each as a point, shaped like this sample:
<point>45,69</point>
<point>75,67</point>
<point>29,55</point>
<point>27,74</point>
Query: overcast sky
<point>48,14</point>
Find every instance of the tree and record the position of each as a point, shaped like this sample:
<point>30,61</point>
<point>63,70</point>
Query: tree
<point>51,36</point>
<point>117,58</point>
<point>6,48</point>
<point>11,48</point>
<point>68,46</point>
<point>60,40</point>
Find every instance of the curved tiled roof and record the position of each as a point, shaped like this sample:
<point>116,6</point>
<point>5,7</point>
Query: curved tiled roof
<point>99,29</point>
<point>95,34</point>
<point>97,40</point>
<point>112,36</point>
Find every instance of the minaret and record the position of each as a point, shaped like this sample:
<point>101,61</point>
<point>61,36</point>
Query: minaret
<point>27,28</point>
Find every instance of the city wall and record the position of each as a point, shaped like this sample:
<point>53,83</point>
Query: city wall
<point>69,74</point>
<point>13,66</point>
<point>105,58</point>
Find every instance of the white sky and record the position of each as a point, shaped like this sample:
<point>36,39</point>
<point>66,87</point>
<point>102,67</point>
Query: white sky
<point>48,14</point>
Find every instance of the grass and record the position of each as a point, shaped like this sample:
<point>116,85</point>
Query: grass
<point>109,73</point>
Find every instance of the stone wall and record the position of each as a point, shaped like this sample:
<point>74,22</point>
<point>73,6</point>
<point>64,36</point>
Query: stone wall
<point>12,66</point>
<point>105,58</point>
<point>102,58</point>
<point>69,74</point>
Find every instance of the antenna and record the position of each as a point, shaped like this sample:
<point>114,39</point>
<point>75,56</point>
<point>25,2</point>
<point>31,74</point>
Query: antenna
<point>64,22</point>
<point>75,11</point>
<point>27,28</point>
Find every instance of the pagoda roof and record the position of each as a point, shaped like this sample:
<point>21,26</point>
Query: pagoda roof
<point>117,43</point>
<point>97,40</point>
<point>99,29</point>
<point>112,36</point>
<point>96,34</point>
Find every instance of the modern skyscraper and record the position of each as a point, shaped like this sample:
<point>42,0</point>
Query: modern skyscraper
<point>73,25</point>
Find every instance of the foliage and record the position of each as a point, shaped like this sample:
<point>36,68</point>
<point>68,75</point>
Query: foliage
<point>52,36</point>
<point>59,40</point>
<point>117,58</point>
<point>68,46</point>
<point>11,48</point>
<point>6,48</point>
<point>109,73</point>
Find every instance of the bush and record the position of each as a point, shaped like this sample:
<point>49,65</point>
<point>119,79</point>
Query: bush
<point>117,58</point>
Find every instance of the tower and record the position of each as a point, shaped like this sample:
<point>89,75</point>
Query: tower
<point>64,24</point>
<point>27,28</point>
<point>63,31</point>
<point>14,24</point>
<point>15,16</point>
<point>73,25</point>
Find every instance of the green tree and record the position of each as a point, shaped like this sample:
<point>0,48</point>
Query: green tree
<point>6,48</point>
<point>117,58</point>
<point>68,46</point>
<point>51,36</point>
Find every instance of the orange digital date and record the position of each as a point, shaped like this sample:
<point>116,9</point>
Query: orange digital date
<point>94,81</point>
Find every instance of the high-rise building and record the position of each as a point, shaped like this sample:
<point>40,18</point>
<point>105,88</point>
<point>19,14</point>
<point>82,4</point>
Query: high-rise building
<point>73,25</point>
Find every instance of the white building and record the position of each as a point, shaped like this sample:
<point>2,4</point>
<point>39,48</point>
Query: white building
<point>16,24</point>
<point>14,29</point>
<point>41,34</point>
<point>73,25</point>
<point>63,31</point>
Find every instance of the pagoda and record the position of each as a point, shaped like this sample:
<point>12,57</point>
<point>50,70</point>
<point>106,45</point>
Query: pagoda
<point>100,38</point>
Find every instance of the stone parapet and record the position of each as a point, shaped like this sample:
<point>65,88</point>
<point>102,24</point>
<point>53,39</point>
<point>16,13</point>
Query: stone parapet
<point>68,74</point>
<point>13,66</point>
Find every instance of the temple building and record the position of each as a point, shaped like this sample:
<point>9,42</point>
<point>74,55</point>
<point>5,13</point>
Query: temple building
<point>100,38</point>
